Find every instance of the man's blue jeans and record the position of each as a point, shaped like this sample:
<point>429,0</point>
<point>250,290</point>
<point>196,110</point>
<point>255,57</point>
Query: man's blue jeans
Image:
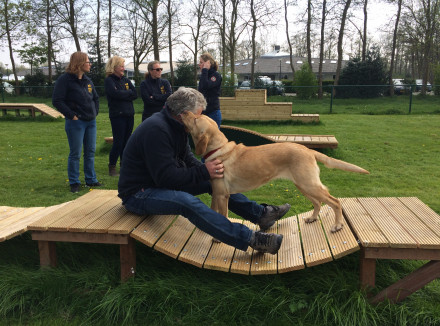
<point>216,116</point>
<point>154,201</point>
<point>81,133</point>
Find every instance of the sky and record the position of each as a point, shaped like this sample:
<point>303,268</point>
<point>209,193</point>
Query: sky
<point>379,15</point>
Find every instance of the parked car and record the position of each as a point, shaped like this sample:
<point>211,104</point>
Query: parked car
<point>245,84</point>
<point>419,83</point>
<point>8,87</point>
<point>400,87</point>
<point>273,87</point>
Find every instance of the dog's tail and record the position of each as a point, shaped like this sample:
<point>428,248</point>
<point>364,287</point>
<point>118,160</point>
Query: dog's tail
<point>333,163</point>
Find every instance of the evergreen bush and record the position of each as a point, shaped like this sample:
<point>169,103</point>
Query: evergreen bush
<point>304,80</point>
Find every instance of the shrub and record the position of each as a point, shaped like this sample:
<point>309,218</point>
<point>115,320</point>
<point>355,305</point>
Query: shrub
<point>305,77</point>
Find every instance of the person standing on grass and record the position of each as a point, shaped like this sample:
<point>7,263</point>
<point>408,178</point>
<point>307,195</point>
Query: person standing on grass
<point>75,96</point>
<point>161,175</point>
<point>210,86</point>
<point>154,90</point>
<point>120,96</point>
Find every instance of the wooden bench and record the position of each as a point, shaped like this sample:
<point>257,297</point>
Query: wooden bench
<point>251,104</point>
<point>382,228</point>
<point>32,108</point>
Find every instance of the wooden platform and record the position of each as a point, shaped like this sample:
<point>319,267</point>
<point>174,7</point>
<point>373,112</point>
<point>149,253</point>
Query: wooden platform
<point>32,108</point>
<point>251,104</point>
<point>382,228</point>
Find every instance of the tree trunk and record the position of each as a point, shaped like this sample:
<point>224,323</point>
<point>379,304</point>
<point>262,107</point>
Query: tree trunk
<point>340,40</point>
<point>170,40</point>
<point>155,4</point>
<point>393,50</point>
<point>288,40</point>
<point>321,48</point>
<point>49,40</point>
<point>254,31</point>
<point>109,36</point>
<point>364,38</point>
<point>73,25</point>
<point>309,22</point>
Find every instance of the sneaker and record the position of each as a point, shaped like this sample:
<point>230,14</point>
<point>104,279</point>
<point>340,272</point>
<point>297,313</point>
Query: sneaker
<point>94,184</point>
<point>266,242</point>
<point>271,215</point>
<point>75,187</point>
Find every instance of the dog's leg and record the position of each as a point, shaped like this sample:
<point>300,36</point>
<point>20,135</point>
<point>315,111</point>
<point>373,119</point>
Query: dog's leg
<point>219,203</point>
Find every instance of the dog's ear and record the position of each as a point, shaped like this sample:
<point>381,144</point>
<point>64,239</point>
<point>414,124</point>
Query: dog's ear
<point>202,145</point>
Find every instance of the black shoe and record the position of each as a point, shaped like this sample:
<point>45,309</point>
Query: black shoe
<point>94,184</point>
<point>271,215</point>
<point>75,187</point>
<point>266,242</point>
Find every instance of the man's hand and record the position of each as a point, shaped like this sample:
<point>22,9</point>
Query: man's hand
<point>215,168</point>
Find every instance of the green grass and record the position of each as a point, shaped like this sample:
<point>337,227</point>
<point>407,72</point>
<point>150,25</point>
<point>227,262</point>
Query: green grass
<point>400,151</point>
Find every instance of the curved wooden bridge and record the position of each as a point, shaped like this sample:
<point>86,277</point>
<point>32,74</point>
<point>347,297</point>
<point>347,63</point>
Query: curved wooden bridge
<point>382,228</point>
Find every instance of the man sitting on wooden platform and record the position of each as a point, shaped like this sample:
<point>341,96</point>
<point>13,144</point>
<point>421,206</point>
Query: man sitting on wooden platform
<point>160,175</point>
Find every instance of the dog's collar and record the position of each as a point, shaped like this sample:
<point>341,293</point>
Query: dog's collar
<point>210,153</point>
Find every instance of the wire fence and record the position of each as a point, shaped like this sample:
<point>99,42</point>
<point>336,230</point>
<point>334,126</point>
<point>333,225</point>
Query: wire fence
<point>362,99</point>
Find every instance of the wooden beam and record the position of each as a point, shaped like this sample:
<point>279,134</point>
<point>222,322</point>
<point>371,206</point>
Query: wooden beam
<point>127,254</point>
<point>48,254</point>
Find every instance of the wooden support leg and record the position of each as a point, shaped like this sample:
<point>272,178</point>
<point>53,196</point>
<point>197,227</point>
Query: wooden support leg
<point>128,259</point>
<point>367,275</point>
<point>410,284</point>
<point>48,254</point>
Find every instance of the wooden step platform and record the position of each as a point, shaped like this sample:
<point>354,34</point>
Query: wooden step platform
<point>32,108</point>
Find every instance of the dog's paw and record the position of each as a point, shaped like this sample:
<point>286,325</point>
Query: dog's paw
<point>310,219</point>
<point>337,227</point>
<point>215,240</point>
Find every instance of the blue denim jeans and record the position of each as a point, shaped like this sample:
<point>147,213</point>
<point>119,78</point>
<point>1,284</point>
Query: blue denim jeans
<point>81,133</point>
<point>216,116</point>
<point>121,130</point>
<point>154,201</point>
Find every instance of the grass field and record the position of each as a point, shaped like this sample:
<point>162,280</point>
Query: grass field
<point>401,151</point>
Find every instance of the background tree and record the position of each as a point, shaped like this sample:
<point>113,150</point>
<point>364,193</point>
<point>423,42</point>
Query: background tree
<point>33,54</point>
<point>346,4</point>
<point>68,13</point>
<point>304,80</point>
<point>394,45</point>
<point>321,47</point>
<point>184,74</point>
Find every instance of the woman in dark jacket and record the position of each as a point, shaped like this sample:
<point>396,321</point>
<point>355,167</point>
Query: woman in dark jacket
<point>210,86</point>
<point>154,90</point>
<point>74,95</point>
<point>120,96</point>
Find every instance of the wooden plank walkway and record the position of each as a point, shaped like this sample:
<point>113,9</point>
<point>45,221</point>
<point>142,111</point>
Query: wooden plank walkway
<point>382,228</point>
<point>310,141</point>
<point>32,108</point>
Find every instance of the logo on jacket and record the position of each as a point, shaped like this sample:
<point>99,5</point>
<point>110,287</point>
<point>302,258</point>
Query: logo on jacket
<point>89,87</point>
<point>213,78</point>
<point>162,89</point>
<point>126,86</point>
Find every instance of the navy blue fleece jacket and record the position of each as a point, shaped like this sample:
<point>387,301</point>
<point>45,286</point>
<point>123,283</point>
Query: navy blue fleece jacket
<point>73,96</point>
<point>120,96</point>
<point>158,155</point>
<point>210,86</point>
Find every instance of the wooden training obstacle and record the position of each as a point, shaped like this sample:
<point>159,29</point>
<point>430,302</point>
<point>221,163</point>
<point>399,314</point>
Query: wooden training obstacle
<point>382,228</point>
<point>32,108</point>
<point>251,104</point>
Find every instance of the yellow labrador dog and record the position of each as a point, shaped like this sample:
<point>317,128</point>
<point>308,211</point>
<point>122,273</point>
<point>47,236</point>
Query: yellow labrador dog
<point>247,168</point>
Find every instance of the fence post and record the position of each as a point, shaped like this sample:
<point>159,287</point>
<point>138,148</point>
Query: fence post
<point>331,100</point>
<point>410,99</point>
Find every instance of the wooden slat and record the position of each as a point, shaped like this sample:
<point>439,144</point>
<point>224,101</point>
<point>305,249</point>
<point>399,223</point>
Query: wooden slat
<point>86,209</point>
<point>102,222</point>
<point>242,260</point>
<point>126,223</point>
<point>342,242</point>
<point>6,211</point>
<point>196,249</point>
<point>290,255</point>
<point>367,232</point>
<point>45,222</point>
<point>21,225</point>
<point>9,225</point>
<point>82,224</point>
<point>424,236</point>
<point>389,226</point>
<point>316,249</point>
<point>264,263</point>
<point>152,228</point>
<point>425,213</point>
<point>173,240</point>
<point>220,256</point>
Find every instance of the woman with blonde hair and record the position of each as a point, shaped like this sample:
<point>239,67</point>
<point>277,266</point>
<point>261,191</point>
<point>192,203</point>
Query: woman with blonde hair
<point>154,90</point>
<point>75,96</point>
<point>120,96</point>
<point>210,86</point>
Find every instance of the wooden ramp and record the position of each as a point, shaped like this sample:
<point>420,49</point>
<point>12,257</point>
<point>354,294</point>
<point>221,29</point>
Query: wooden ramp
<point>32,108</point>
<point>382,228</point>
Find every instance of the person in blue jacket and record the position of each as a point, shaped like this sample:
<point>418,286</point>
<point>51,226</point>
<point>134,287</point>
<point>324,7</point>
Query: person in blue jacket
<point>75,96</point>
<point>210,86</point>
<point>120,96</point>
<point>154,90</point>
<point>160,175</point>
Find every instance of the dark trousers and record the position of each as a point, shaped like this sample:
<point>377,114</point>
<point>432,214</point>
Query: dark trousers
<point>122,128</point>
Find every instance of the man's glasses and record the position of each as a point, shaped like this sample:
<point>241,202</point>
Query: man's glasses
<point>158,69</point>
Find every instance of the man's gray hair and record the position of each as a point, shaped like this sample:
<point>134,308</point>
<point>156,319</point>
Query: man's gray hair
<point>185,99</point>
